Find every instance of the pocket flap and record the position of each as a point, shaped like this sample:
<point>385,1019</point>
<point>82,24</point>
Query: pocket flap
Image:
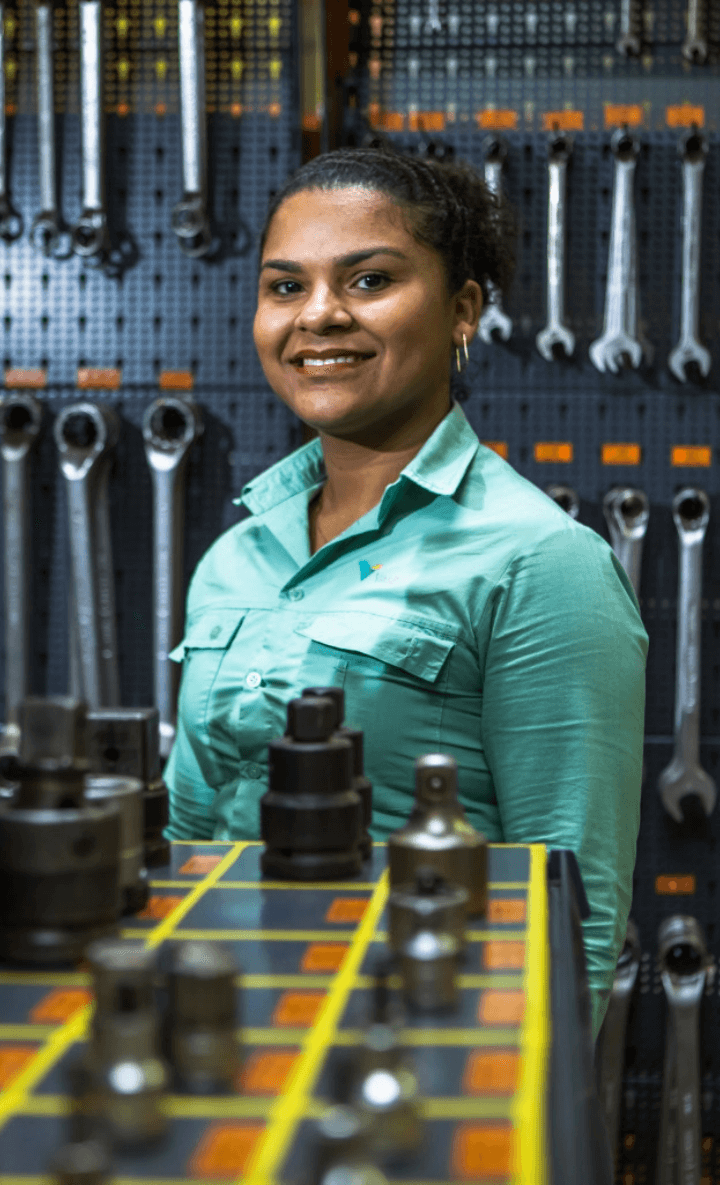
<point>393,642</point>
<point>214,629</point>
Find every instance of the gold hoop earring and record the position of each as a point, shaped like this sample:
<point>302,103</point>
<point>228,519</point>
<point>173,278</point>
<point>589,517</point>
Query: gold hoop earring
<point>457,354</point>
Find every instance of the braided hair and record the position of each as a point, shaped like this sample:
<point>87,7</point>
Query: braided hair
<point>446,204</point>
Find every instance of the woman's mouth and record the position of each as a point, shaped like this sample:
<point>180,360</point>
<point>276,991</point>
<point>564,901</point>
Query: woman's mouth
<point>327,368</point>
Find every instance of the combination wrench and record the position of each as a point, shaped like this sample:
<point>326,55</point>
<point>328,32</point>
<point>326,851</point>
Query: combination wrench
<point>695,45</point>
<point>20,419</point>
<point>610,1056</point>
<point>566,498</point>
<point>493,318</point>
<point>684,774</point>
<point>628,41</point>
<point>170,425</point>
<point>618,341</point>
<point>627,512</point>
<point>556,335</point>
<point>189,217</point>
<point>85,434</point>
<point>684,968</point>
<point>46,234</point>
<point>90,233</point>
<point>693,150</point>
<point>11,223</point>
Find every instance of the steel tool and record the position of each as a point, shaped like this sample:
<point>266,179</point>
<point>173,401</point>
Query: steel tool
<point>85,434</point>
<point>46,234</point>
<point>433,23</point>
<point>189,218</point>
<point>628,41</point>
<point>566,498</point>
<point>556,333</point>
<point>493,318</point>
<point>90,234</point>
<point>684,775</point>
<point>11,223</point>
<point>627,511</point>
<point>618,341</point>
<point>170,425</point>
<point>695,47</point>
<point>684,966</point>
<point>693,150</point>
<point>610,1055</point>
<point>20,418</point>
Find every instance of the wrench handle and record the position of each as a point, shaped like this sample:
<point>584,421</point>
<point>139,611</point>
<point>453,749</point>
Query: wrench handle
<point>105,577</point>
<point>46,107</point>
<point>168,507</point>
<point>557,179</point>
<point>610,1063</point>
<point>17,584</point>
<point>692,225</point>
<point>629,552</point>
<point>620,259</point>
<point>80,494</point>
<point>687,697</point>
<point>93,196</point>
<point>191,34</point>
<point>687,1114</point>
<point>667,1139</point>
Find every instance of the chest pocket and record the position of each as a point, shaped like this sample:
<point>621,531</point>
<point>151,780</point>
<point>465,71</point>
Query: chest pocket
<point>207,639</point>
<point>372,644</point>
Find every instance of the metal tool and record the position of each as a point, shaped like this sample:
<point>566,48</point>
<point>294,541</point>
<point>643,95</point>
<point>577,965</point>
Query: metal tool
<point>610,1055</point>
<point>617,342</point>
<point>695,47</point>
<point>11,223</point>
<point>493,318</point>
<point>684,966</point>
<point>20,418</point>
<point>629,41</point>
<point>85,434</point>
<point>627,511</point>
<point>693,150</point>
<point>46,234</point>
<point>684,775</point>
<point>556,333</point>
<point>566,498</point>
<point>170,425</point>
<point>90,233</point>
<point>189,218</point>
<point>201,1023</point>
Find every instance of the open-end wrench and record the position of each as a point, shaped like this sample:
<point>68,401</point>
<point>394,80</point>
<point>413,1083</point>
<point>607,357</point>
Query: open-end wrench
<point>11,223</point>
<point>684,774</point>
<point>628,41</point>
<point>627,511</point>
<point>684,967</point>
<point>170,425</point>
<point>20,418</point>
<point>693,150</point>
<point>90,233</point>
<point>85,434</point>
<point>189,217</point>
<point>46,234</point>
<point>556,334</point>
<point>610,1056</point>
<point>617,341</point>
<point>566,498</point>
<point>695,45</point>
<point>494,319</point>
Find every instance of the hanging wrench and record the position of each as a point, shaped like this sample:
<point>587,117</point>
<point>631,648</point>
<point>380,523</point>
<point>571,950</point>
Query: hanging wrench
<point>610,1056</point>
<point>684,775</point>
<point>90,233</point>
<point>20,418</point>
<point>85,434</point>
<point>628,42</point>
<point>684,966</point>
<point>626,513</point>
<point>189,218</point>
<point>11,223</point>
<point>695,45</point>
<point>46,234</point>
<point>607,352</point>
<point>170,425</point>
<point>556,333</point>
<point>433,23</point>
<point>566,498</point>
<point>493,319</point>
<point>693,150</point>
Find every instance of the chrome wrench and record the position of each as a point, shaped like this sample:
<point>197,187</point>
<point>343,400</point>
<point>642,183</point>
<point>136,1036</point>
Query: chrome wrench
<point>566,498</point>
<point>170,425</point>
<point>618,341</point>
<point>189,218</point>
<point>20,418</point>
<point>693,150</point>
<point>85,434</point>
<point>629,41</point>
<point>11,223</point>
<point>695,45</point>
<point>556,333</point>
<point>90,233</point>
<point>46,234</point>
<point>626,513</point>
<point>493,318</point>
<point>610,1055</point>
<point>684,774</point>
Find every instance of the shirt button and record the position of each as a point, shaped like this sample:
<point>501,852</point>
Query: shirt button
<point>253,770</point>
<point>254,679</point>
<point>216,629</point>
<point>296,594</point>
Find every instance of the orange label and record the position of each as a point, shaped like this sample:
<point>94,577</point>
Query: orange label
<point>310,122</point>
<point>175,380</point>
<point>498,121</point>
<point>503,956</point>
<point>684,116</point>
<point>621,454</point>
<point>554,450</point>
<point>617,114</point>
<point>267,1073</point>
<point>297,1008</point>
<point>501,1008</point>
<point>161,109</point>
<point>563,121</point>
<point>159,907</point>
<point>498,446</point>
<point>92,379</point>
<point>698,455</point>
<point>491,1073</point>
<point>199,865</point>
<point>481,1150</point>
<point>224,1150</point>
<point>324,956</point>
<point>347,909</point>
<point>506,910</point>
<point>236,110</point>
<point>12,1060</point>
<point>123,109</point>
<point>675,885</point>
<point>58,1005</point>
<point>26,378</point>
<point>393,121</point>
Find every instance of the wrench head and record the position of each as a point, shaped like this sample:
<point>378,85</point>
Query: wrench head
<point>629,45</point>
<point>49,239</point>
<point>695,50</point>
<point>677,781</point>
<point>610,353</point>
<point>170,424</point>
<point>555,342</point>
<point>11,223</point>
<point>691,511</point>
<point>627,510</point>
<point>90,234</point>
<point>565,497</point>
<point>687,353</point>
<point>494,322</point>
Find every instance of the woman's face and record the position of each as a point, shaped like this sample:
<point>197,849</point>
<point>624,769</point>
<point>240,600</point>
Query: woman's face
<point>391,306</point>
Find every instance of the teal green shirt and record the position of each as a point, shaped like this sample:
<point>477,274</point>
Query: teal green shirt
<point>465,614</point>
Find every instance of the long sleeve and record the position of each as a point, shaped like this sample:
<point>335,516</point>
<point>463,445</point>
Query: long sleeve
<point>563,722</point>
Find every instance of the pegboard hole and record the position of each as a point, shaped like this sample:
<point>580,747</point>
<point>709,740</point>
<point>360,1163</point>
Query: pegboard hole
<point>159,197</point>
<point>8,279</point>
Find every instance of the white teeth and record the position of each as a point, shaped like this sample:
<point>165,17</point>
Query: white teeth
<point>328,361</point>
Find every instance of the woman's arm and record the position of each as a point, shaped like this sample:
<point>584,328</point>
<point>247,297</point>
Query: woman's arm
<point>192,801</point>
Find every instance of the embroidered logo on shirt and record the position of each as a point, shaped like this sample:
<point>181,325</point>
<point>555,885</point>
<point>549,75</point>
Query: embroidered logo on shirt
<point>367,569</point>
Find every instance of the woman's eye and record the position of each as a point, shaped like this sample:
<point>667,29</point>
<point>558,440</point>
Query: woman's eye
<point>368,275</point>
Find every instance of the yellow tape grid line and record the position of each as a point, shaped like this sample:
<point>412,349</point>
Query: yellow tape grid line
<point>315,886</point>
<point>15,1097</point>
<point>292,1106</point>
<point>314,935</point>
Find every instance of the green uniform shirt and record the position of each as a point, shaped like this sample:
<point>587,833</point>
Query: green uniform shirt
<point>465,614</point>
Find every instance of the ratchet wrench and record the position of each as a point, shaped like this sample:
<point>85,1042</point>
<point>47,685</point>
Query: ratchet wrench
<point>556,336</point>
<point>46,234</point>
<point>684,774</point>
<point>618,341</point>
<point>85,434</point>
<point>695,45</point>
<point>90,237</point>
<point>693,150</point>
<point>494,319</point>
<point>566,498</point>
<point>170,425</point>
<point>611,1042</point>
<point>189,218</point>
<point>11,223</point>
<point>626,513</point>
<point>20,418</point>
